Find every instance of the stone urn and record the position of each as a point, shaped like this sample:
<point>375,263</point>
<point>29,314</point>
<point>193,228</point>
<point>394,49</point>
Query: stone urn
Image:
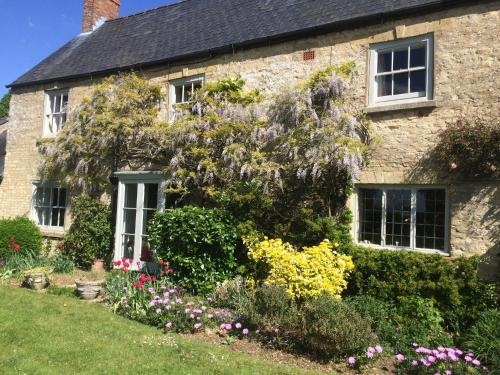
<point>36,280</point>
<point>87,289</point>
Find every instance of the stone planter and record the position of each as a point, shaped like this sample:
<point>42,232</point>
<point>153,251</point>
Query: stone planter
<point>36,281</point>
<point>88,290</point>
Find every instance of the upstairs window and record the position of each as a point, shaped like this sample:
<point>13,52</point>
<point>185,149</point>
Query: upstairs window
<point>56,103</point>
<point>181,91</point>
<point>401,70</point>
<point>49,205</point>
<point>413,218</point>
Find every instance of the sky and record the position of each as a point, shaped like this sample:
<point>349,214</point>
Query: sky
<point>30,30</point>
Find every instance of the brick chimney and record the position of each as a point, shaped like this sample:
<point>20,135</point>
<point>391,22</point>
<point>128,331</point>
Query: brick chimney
<point>96,11</point>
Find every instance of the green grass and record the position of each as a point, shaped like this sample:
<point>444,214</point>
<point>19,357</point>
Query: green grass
<point>53,334</point>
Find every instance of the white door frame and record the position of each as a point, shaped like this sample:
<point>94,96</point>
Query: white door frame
<point>139,178</point>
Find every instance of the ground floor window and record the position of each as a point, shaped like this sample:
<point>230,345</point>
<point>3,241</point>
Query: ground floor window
<point>414,218</point>
<point>137,202</point>
<point>49,205</point>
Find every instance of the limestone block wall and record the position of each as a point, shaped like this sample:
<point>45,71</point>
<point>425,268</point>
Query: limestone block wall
<point>466,81</point>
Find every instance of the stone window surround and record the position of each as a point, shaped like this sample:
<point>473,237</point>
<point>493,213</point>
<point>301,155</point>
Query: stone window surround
<point>403,103</point>
<point>172,85</point>
<point>140,178</point>
<point>356,216</point>
<point>56,231</point>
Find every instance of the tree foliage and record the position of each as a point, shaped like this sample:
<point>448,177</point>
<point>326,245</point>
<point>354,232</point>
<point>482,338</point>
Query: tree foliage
<point>277,163</point>
<point>4,105</point>
<point>112,129</point>
<point>470,147</point>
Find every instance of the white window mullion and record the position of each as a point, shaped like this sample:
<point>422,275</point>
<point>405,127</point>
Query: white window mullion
<point>119,238</point>
<point>413,227</point>
<point>139,214</point>
<point>384,205</point>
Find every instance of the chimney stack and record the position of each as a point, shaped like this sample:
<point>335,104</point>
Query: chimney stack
<point>97,11</point>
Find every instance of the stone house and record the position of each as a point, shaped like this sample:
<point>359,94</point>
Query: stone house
<point>419,65</point>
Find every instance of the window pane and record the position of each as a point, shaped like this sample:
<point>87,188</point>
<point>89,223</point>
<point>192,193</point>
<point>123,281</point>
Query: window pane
<point>148,215</point>
<point>197,85</point>
<point>128,246</point>
<point>55,197</point>
<point>385,85</point>
<point>64,102</point>
<point>57,106</point>
<point>400,59</point>
<point>370,203</point>
<point>129,221</point>
<point>417,56</point>
<point>55,217</point>
<point>430,218</point>
<point>131,195</point>
<point>178,94</point>
<point>398,217</point>
<point>62,197</point>
<point>417,81</point>
<point>384,62</point>
<point>62,212</point>
<point>400,83</point>
<point>188,90</point>
<point>150,196</point>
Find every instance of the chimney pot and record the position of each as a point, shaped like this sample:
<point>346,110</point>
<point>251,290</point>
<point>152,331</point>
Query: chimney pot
<point>96,11</point>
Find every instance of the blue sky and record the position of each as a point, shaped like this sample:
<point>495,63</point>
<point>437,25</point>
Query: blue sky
<point>31,30</point>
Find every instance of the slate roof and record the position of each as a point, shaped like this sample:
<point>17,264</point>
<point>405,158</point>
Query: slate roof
<point>202,27</point>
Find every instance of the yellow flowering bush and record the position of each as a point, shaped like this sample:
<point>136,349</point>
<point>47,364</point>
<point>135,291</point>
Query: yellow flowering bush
<point>303,273</point>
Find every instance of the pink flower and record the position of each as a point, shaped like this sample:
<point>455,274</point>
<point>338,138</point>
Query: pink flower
<point>378,349</point>
<point>447,372</point>
<point>238,325</point>
<point>476,362</point>
<point>197,326</point>
<point>468,359</point>
<point>210,316</point>
<point>158,311</point>
<point>351,360</point>
<point>245,331</point>
<point>370,349</point>
<point>400,357</point>
<point>453,165</point>
<point>369,354</point>
<point>169,325</point>
<point>228,327</point>
<point>414,363</point>
<point>431,359</point>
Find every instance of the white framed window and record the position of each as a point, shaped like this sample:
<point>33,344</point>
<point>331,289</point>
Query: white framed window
<point>49,205</point>
<point>401,70</point>
<point>139,196</point>
<point>403,217</point>
<point>56,103</point>
<point>181,91</point>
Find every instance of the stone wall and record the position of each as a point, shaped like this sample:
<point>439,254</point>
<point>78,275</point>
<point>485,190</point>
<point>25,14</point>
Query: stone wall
<point>466,81</point>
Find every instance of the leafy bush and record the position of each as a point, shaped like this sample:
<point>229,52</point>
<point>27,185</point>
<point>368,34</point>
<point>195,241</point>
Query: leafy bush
<point>89,236</point>
<point>21,262</point>
<point>198,243</point>
<point>332,328</point>
<point>483,339</point>
<point>24,232</point>
<point>306,273</point>
<point>453,285</point>
<point>470,147</point>
<point>62,263</point>
<point>231,293</point>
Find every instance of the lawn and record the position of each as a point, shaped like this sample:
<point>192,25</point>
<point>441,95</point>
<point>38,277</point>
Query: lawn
<point>48,334</point>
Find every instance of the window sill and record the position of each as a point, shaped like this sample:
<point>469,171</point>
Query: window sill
<point>396,248</point>
<point>380,108</point>
<point>52,232</point>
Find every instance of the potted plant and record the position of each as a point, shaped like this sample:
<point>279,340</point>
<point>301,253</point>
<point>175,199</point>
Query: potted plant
<point>89,286</point>
<point>37,278</point>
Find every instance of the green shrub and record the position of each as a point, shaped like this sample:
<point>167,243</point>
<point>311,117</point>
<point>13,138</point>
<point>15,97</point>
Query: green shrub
<point>231,293</point>
<point>453,285</point>
<point>268,307</point>
<point>20,262</point>
<point>89,236</point>
<point>24,233</point>
<point>483,339</point>
<point>418,321</point>
<point>62,263</point>
<point>198,243</point>
<point>333,329</point>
